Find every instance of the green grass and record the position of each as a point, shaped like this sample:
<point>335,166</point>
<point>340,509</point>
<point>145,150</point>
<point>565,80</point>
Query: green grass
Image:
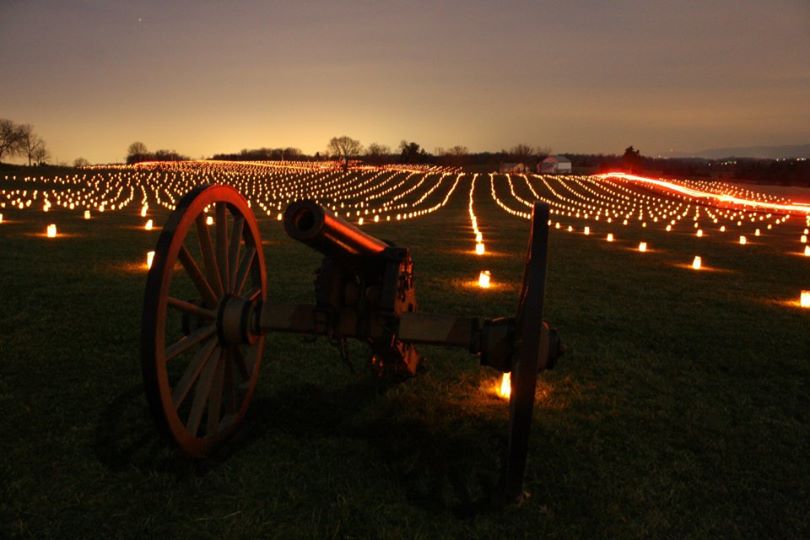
<point>681,409</point>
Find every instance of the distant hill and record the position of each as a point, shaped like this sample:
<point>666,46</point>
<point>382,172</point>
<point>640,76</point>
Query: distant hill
<point>763,152</point>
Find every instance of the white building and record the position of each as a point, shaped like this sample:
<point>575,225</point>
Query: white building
<point>555,165</point>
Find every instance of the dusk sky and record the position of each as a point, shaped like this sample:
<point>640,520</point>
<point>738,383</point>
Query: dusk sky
<point>576,76</point>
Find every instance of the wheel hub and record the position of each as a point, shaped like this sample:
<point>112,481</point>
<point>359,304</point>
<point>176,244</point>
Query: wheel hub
<point>233,321</point>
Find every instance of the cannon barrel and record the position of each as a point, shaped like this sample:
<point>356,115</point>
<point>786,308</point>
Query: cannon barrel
<point>310,223</point>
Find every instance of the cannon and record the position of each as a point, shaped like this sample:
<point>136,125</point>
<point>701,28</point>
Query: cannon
<point>206,314</point>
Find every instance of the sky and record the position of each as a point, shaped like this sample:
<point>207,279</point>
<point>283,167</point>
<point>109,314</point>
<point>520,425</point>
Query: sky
<point>575,76</point>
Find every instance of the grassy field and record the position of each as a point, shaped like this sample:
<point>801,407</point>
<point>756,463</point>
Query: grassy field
<point>681,409</point>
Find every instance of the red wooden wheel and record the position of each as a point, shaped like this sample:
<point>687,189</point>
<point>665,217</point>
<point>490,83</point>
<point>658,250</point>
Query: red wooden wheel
<point>198,382</point>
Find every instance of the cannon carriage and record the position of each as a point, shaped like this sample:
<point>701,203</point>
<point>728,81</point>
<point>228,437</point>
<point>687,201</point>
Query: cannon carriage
<point>207,312</point>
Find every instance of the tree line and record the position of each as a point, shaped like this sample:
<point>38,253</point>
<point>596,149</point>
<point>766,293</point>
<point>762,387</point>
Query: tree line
<point>263,154</point>
<point>20,140</point>
<point>137,152</point>
<point>346,149</point>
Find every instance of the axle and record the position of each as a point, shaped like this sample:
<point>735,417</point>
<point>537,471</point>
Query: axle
<point>242,321</point>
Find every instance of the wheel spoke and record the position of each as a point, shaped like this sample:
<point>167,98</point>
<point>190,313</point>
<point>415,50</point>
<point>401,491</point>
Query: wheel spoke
<point>192,372</point>
<point>196,275</point>
<point>244,271</point>
<point>215,397</point>
<point>222,245</point>
<point>201,392</point>
<point>234,249</point>
<point>209,258</point>
<point>246,363</point>
<point>194,309</point>
<point>189,341</point>
<point>252,359</point>
<point>241,366</point>
<point>229,390</point>
<point>253,295</point>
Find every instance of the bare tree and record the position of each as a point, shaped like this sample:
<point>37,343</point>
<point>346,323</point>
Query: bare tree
<point>542,152</point>
<point>31,145</point>
<point>521,153</point>
<point>291,153</point>
<point>10,138</point>
<point>454,155</point>
<point>136,149</point>
<point>80,162</point>
<point>458,151</point>
<point>40,153</point>
<point>344,147</point>
<point>377,150</point>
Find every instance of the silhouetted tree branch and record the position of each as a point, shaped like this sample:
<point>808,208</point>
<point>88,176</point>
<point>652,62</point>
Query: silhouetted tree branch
<point>344,147</point>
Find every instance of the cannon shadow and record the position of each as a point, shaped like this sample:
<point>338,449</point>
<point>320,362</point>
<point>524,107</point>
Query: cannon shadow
<point>443,458</point>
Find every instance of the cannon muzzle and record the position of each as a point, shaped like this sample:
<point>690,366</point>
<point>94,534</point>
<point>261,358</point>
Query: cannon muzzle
<point>310,223</point>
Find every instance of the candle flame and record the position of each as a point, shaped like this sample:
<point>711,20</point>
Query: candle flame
<point>484,279</point>
<point>505,388</point>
